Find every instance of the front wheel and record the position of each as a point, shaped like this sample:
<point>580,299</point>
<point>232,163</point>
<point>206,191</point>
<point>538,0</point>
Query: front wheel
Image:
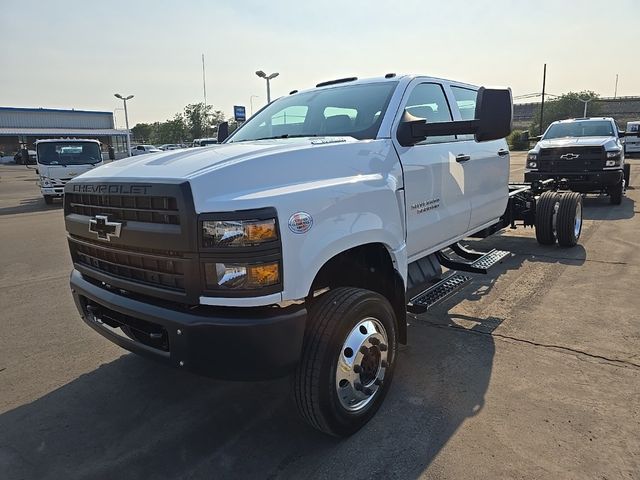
<point>627,175</point>
<point>48,199</point>
<point>347,361</point>
<point>616,192</point>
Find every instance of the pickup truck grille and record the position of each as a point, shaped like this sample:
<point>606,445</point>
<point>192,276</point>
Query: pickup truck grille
<point>149,209</point>
<point>588,159</point>
<point>165,271</point>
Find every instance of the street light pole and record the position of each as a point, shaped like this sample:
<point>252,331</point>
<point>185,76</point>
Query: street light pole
<point>268,78</point>
<point>586,102</point>
<point>126,120</point>
<point>251,102</point>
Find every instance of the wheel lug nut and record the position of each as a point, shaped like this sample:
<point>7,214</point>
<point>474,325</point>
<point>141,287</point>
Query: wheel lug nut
<point>383,347</point>
<point>384,364</point>
<point>357,368</point>
<point>357,386</point>
<point>363,350</point>
<point>374,341</point>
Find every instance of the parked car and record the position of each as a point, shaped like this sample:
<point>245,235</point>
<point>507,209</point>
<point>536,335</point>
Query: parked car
<point>18,157</point>
<point>170,146</point>
<point>202,142</point>
<point>142,149</point>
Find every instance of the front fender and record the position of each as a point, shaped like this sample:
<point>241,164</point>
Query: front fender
<point>355,214</point>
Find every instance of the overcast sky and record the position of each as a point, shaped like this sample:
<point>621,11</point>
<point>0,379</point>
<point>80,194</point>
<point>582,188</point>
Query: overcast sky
<point>77,54</point>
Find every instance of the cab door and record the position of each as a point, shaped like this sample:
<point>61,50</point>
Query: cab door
<point>487,167</point>
<point>437,205</point>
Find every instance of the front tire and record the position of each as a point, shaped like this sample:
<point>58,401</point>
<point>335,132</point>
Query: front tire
<point>545,209</point>
<point>347,360</point>
<point>48,199</point>
<point>569,219</point>
<point>616,192</point>
<point>627,175</point>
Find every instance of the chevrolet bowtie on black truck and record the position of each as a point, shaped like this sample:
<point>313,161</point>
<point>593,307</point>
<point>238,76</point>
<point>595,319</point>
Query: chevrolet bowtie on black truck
<point>585,153</point>
<point>298,244</point>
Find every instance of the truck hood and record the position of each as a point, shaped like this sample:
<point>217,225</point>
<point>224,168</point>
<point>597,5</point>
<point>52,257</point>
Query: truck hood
<point>577,142</point>
<point>189,163</point>
<point>247,175</point>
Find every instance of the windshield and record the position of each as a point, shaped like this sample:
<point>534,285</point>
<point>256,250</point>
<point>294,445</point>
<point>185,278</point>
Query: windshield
<point>353,110</point>
<point>587,128</point>
<point>69,153</point>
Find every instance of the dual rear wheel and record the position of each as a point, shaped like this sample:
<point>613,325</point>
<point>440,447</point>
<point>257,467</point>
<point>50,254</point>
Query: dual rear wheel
<point>559,217</point>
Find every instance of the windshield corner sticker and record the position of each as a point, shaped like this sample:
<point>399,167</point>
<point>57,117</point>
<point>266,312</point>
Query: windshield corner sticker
<point>300,222</point>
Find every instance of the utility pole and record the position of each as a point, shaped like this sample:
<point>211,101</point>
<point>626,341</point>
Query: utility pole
<point>544,81</point>
<point>204,91</point>
<point>615,93</point>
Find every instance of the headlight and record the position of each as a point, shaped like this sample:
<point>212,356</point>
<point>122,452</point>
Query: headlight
<point>46,182</point>
<point>613,154</point>
<point>241,276</point>
<point>238,233</point>
<point>532,156</point>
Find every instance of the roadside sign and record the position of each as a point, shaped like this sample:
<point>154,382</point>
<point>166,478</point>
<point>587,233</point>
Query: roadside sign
<point>239,113</point>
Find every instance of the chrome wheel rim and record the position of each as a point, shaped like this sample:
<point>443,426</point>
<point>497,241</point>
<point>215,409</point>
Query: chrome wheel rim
<point>362,364</point>
<point>577,222</point>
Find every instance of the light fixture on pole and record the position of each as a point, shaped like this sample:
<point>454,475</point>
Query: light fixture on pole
<point>586,102</point>
<point>251,102</point>
<point>126,120</point>
<point>261,74</point>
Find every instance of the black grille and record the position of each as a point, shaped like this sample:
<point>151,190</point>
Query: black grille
<point>162,271</point>
<point>150,209</point>
<point>589,159</point>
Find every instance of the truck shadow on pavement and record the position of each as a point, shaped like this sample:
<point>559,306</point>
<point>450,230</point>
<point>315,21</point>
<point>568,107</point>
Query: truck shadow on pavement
<point>132,418</point>
<point>600,208</point>
<point>30,205</point>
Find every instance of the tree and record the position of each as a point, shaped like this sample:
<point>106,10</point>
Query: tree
<point>565,106</point>
<point>142,132</point>
<point>200,121</point>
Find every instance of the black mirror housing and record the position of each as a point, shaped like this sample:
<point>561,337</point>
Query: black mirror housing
<point>493,120</point>
<point>494,113</point>
<point>223,131</point>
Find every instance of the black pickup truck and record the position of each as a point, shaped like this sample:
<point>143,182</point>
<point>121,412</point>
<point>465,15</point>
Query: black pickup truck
<point>586,153</point>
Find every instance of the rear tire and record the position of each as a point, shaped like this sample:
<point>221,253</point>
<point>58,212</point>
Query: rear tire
<point>615,193</point>
<point>545,208</point>
<point>344,371</point>
<point>627,175</point>
<point>569,219</point>
<point>48,199</point>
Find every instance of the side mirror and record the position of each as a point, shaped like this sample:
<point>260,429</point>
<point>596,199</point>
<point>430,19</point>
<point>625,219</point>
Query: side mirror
<point>223,131</point>
<point>493,119</point>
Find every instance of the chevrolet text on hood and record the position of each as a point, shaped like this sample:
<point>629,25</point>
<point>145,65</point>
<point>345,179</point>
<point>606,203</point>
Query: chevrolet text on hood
<point>298,244</point>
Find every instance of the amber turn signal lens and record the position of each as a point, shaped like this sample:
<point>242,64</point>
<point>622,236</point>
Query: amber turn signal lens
<point>264,275</point>
<point>262,231</point>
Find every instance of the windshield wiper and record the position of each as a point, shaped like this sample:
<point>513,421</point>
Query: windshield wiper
<point>285,135</point>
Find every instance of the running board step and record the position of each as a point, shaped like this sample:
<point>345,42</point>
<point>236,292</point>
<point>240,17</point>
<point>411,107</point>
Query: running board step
<point>438,292</point>
<point>481,264</point>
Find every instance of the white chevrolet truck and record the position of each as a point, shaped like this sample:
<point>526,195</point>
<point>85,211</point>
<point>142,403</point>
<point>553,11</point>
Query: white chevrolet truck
<point>298,245</point>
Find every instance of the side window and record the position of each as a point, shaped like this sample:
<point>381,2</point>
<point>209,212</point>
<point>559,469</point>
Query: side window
<point>428,101</point>
<point>466,100</point>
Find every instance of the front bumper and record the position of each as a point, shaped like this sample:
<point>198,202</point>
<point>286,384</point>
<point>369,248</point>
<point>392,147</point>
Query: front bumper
<point>57,190</point>
<point>580,181</point>
<point>226,343</point>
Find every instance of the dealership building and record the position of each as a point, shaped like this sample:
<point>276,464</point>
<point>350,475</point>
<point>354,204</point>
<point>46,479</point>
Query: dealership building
<point>23,126</point>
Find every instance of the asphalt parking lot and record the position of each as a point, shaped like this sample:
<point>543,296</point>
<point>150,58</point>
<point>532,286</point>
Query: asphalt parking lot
<point>530,372</point>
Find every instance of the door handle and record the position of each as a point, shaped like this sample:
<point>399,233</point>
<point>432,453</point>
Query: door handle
<point>502,152</point>
<point>462,157</point>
